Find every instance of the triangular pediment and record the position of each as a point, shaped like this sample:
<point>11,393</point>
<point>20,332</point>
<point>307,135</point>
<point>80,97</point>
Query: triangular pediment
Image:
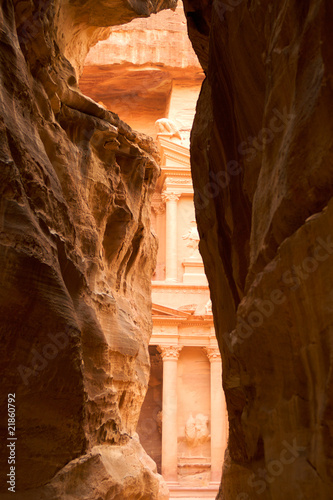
<point>167,144</point>
<point>174,155</point>
<point>168,312</point>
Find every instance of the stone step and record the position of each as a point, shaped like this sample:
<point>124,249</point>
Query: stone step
<point>190,493</point>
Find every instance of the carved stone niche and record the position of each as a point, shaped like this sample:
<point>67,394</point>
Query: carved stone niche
<point>194,462</point>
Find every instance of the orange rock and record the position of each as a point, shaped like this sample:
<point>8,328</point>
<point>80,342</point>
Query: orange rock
<point>262,161</point>
<point>77,257</point>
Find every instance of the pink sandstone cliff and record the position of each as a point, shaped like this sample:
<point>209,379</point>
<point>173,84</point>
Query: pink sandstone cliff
<point>75,188</point>
<point>146,70</point>
<point>76,259</point>
<point>262,165</point>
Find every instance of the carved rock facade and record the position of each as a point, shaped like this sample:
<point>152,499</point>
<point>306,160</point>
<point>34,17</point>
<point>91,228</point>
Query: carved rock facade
<point>76,184</point>
<point>262,164</point>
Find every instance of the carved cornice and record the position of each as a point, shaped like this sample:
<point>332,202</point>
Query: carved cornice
<point>213,353</point>
<point>170,147</point>
<point>169,351</point>
<point>168,196</point>
<point>182,322</point>
<point>169,172</point>
<point>178,180</point>
<point>185,161</point>
<point>163,286</point>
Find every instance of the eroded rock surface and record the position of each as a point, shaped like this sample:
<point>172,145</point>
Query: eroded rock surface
<point>77,256</point>
<point>262,162</point>
<point>146,70</point>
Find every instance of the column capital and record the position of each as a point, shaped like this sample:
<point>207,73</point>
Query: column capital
<point>169,351</point>
<point>213,353</point>
<point>158,207</point>
<point>170,196</point>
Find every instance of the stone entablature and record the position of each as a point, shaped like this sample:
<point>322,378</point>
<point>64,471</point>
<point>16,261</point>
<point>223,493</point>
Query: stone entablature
<point>175,166</point>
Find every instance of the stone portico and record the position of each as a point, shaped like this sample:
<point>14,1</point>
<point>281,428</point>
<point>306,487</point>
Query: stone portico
<point>185,403</point>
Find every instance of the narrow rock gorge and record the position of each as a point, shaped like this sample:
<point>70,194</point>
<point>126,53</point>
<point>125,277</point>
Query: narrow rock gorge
<point>77,253</point>
<point>262,167</point>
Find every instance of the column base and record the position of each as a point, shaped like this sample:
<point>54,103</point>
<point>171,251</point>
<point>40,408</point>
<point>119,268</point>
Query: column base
<point>171,280</point>
<point>194,279</point>
<point>190,493</point>
<point>172,484</point>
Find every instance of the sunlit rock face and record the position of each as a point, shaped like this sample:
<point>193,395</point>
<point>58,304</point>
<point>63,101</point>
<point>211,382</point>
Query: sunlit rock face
<point>262,163</point>
<point>146,70</point>
<point>77,256</point>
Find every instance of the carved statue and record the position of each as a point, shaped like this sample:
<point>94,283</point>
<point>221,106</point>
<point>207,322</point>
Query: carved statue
<point>208,307</point>
<point>193,241</point>
<point>166,126</point>
<point>196,430</point>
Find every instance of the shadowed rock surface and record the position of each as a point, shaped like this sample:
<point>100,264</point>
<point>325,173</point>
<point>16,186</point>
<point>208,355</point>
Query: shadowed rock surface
<point>262,165</point>
<point>76,260</point>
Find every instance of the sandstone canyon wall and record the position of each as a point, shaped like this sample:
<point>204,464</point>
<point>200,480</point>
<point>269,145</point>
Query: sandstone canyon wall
<point>75,188</point>
<point>262,166</point>
<point>77,256</point>
<point>146,70</point>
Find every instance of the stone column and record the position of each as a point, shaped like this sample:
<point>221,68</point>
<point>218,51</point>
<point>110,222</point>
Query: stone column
<point>159,208</point>
<point>171,235</point>
<point>170,356</point>
<point>218,419</point>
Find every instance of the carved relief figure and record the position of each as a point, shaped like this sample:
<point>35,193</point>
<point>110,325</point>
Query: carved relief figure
<point>208,307</point>
<point>166,126</point>
<point>196,430</point>
<point>193,241</point>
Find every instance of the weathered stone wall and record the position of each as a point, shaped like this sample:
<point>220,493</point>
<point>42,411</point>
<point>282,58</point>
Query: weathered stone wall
<point>262,164</point>
<point>160,39</point>
<point>76,259</point>
<point>146,70</point>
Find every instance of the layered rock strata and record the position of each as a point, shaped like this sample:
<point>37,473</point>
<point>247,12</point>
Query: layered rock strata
<point>146,70</point>
<point>262,164</point>
<point>77,256</point>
